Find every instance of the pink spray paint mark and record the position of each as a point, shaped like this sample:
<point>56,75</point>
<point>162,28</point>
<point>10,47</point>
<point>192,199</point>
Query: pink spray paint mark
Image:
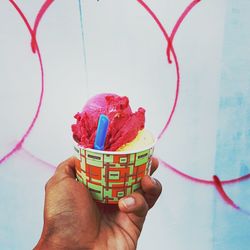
<point>29,154</point>
<point>177,25</point>
<point>39,17</point>
<point>171,48</point>
<point>224,196</point>
<point>165,34</point>
<point>186,176</point>
<point>216,182</point>
<point>35,46</point>
<point>202,181</point>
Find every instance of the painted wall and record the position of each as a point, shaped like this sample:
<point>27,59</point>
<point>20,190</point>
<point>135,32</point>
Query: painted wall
<point>87,47</point>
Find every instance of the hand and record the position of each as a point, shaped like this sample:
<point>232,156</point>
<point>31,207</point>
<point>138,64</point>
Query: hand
<point>72,219</point>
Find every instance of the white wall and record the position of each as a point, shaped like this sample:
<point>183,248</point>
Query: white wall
<point>125,54</point>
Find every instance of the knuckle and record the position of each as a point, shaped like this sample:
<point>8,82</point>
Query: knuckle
<point>48,184</point>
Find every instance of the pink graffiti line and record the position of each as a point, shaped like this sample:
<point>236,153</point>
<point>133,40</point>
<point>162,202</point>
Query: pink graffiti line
<point>165,34</point>
<point>19,144</point>
<point>221,191</point>
<point>215,182</point>
<point>177,25</point>
<point>170,48</point>
<point>202,181</point>
<point>39,17</point>
<point>39,160</point>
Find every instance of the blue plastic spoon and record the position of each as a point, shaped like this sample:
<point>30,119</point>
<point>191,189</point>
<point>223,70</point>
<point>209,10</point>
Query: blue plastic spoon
<point>101,132</point>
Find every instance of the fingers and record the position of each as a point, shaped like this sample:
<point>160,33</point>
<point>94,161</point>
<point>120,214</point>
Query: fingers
<point>152,189</point>
<point>154,165</point>
<point>134,203</point>
<point>139,203</point>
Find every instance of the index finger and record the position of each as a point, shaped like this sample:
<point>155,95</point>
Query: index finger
<point>67,168</point>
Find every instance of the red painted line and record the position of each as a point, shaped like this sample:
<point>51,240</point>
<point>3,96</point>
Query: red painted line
<point>177,25</point>
<point>19,144</point>
<point>165,34</point>
<point>224,196</point>
<point>38,19</point>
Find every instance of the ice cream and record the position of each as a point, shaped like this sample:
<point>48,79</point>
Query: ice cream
<point>113,148</point>
<point>143,139</point>
<point>126,128</point>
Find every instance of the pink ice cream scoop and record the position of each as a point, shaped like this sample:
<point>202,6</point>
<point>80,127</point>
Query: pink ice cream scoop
<point>124,125</point>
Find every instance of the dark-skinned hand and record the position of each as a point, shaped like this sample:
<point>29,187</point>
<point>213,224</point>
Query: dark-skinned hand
<point>73,220</point>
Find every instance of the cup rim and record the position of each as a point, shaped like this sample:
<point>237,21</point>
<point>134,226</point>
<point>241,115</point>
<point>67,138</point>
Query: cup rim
<point>117,152</point>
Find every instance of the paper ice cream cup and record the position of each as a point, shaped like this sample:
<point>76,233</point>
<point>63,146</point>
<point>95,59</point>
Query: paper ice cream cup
<point>111,175</point>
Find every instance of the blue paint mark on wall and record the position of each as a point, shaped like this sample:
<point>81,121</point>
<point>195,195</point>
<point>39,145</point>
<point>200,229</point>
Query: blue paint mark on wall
<point>231,228</point>
<point>233,139</point>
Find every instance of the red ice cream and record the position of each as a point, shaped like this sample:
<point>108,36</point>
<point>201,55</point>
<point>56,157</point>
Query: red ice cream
<point>124,125</point>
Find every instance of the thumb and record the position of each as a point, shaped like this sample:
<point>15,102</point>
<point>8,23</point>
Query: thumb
<point>67,171</point>
<point>135,204</point>
<point>64,186</point>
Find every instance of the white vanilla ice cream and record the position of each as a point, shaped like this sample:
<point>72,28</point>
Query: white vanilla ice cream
<point>143,140</point>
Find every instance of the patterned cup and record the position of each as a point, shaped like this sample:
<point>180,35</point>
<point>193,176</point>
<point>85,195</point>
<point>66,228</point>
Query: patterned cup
<point>110,175</point>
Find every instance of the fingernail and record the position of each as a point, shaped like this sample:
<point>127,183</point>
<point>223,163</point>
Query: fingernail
<point>128,202</point>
